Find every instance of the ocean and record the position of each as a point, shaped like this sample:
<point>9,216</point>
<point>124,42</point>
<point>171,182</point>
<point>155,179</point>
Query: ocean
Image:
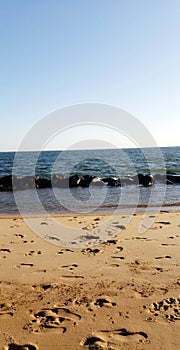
<point>101,163</point>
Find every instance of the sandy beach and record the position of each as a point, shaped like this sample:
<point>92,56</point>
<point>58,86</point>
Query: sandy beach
<point>122,293</point>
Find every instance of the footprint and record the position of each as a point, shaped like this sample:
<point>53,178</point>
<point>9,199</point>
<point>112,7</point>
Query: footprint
<point>55,318</point>
<point>141,238</point>
<point>91,251</point>
<point>53,238</point>
<point>168,309</point>
<point>164,222</point>
<point>119,248</point>
<point>118,257</point>
<point>32,252</point>
<point>46,286</point>
<point>139,265</point>
<point>5,250</point>
<point>160,269</point>
<point>163,257</point>
<point>19,235</point>
<point>76,276</point>
<point>166,244</point>
<point>91,226</point>
<point>5,309</point>
<point>113,265</point>
<point>113,339</point>
<point>94,342</point>
<point>25,264</point>
<point>70,267</point>
<point>101,302</point>
<point>111,241</point>
<point>121,227</point>
<point>14,346</point>
<point>97,219</point>
<point>65,250</point>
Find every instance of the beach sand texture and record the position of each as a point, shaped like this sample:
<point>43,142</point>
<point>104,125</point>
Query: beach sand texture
<point>123,293</point>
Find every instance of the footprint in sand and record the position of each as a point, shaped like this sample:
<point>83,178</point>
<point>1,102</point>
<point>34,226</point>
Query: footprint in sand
<point>164,222</point>
<point>120,227</point>
<point>141,238</point>
<point>25,264</point>
<point>5,250</point>
<point>91,251</point>
<point>19,235</point>
<point>69,267</point>
<point>113,339</point>
<point>111,242</point>
<point>119,248</point>
<point>43,286</point>
<point>57,318</point>
<point>103,301</point>
<point>139,265</point>
<point>113,265</point>
<point>91,226</point>
<point>67,250</point>
<point>117,257</point>
<point>72,276</point>
<point>168,309</point>
<point>14,346</point>
<point>5,309</point>
<point>163,257</point>
<point>166,244</point>
<point>44,223</point>
<point>33,252</point>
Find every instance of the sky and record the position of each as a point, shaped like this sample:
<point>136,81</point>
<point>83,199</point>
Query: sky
<point>56,53</point>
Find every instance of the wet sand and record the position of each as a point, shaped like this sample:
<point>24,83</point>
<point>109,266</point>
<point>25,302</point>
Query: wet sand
<point>118,289</point>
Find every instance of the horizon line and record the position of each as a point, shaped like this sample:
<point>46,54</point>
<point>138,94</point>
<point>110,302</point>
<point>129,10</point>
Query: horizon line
<point>85,149</point>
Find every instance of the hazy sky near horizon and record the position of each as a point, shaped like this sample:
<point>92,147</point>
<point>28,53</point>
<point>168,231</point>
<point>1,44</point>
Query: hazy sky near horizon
<point>56,53</point>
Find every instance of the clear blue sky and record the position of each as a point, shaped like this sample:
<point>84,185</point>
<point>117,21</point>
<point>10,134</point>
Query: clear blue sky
<point>56,53</point>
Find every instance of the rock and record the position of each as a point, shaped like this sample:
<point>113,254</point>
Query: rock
<point>97,182</point>
<point>147,180</point>
<point>173,178</point>
<point>112,181</point>
<point>74,180</point>
<point>6,183</point>
<point>60,181</point>
<point>144,180</point>
<point>24,183</point>
<point>42,182</point>
<point>85,180</point>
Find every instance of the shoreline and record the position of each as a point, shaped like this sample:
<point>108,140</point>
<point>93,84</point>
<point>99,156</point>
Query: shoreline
<point>140,209</point>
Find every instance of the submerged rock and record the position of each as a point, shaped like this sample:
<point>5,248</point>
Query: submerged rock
<point>97,182</point>
<point>6,183</point>
<point>144,180</point>
<point>74,180</point>
<point>12,182</point>
<point>173,178</point>
<point>24,183</point>
<point>85,180</point>
<point>58,180</point>
<point>42,182</point>
<point>112,181</point>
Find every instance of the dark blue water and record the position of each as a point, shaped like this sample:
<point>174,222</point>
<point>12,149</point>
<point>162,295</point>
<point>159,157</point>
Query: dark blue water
<point>101,163</point>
